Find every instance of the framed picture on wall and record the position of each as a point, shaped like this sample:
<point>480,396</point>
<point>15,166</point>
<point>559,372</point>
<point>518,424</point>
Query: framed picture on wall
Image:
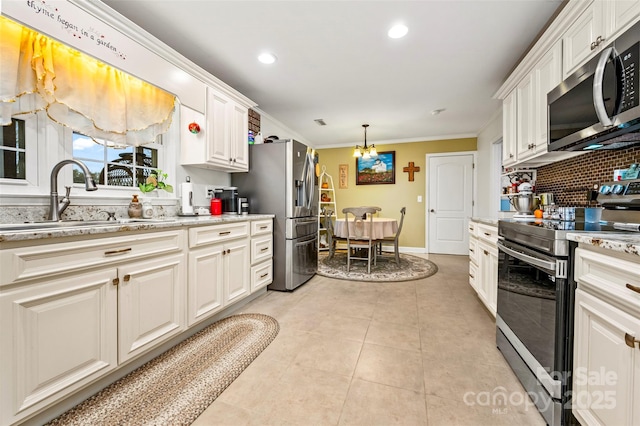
<point>376,170</point>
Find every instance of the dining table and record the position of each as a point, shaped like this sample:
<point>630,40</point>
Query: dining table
<point>382,227</point>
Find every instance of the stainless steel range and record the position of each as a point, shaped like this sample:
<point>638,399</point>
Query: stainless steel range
<point>536,296</point>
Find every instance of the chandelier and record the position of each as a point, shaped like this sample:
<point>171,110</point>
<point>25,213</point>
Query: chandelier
<point>365,151</point>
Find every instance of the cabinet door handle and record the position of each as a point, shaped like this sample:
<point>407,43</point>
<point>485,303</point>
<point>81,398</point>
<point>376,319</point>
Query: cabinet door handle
<point>471,275</point>
<point>510,155</point>
<point>117,252</point>
<point>486,253</point>
<point>472,250</point>
<point>631,340</point>
<point>633,287</point>
<point>593,45</point>
<point>115,281</point>
<point>127,278</point>
<point>224,233</point>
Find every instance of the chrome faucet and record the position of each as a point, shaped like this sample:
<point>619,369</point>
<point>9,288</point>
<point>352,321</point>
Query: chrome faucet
<point>55,207</point>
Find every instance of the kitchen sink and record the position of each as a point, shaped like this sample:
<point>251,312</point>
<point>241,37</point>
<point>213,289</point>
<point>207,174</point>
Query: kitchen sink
<point>30,226</point>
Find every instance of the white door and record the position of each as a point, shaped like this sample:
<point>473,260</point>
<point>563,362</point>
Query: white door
<point>450,195</point>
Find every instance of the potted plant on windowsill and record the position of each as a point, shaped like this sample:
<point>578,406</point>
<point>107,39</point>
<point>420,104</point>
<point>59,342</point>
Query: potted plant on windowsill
<point>155,180</point>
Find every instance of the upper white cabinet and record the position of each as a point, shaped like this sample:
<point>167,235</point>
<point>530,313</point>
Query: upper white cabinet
<point>525,107</point>
<point>525,110</point>
<point>594,29</point>
<point>222,142</point>
<point>509,126</point>
<point>547,75</point>
<point>580,30</point>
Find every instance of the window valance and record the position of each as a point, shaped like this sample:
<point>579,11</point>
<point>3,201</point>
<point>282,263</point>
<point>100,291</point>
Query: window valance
<point>76,90</point>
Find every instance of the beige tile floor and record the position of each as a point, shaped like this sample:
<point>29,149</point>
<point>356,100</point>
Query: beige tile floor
<point>372,353</point>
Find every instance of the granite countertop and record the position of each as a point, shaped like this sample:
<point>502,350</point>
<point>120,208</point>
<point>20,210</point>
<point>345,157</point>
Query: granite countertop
<point>485,221</point>
<point>106,228</point>
<point>624,242</point>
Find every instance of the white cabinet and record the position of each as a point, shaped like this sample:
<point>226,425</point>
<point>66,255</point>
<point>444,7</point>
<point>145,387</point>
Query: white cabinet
<point>509,130</point>
<point>222,143</point>
<point>547,75</point>
<point>261,253</point>
<point>483,263</point>
<point>56,336</point>
<point>595,27</point>
<point>473,255</point>
<point>72,311</point>
<point>151,303</point>
<point>525,107</point>
<point>525,120</point>
<point>606,378</point>
<point>218,268</point>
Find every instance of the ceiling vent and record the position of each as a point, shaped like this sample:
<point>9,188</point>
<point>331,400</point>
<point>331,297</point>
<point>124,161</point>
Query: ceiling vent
<point>320,122</point>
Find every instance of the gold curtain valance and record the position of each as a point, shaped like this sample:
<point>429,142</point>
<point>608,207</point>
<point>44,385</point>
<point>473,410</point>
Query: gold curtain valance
<point>78,91</point>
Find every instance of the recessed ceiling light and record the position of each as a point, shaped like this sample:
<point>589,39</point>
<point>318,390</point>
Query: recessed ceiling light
<point>267,58</point>
<point>398,31</point>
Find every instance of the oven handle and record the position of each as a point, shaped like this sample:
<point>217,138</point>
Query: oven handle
<point>549,265</point>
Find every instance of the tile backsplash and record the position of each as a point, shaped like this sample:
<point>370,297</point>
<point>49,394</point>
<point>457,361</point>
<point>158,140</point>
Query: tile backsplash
<point>569,180</point>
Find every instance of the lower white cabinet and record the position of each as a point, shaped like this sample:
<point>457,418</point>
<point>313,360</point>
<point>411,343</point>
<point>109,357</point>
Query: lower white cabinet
<point>487,285</point>
<point>483,263</point>
<point>151,303</point>
<point>606,364</point>
<point>56,335</point>
<point>218,268</point>
<point>75,310</point>
<point>261,253</point>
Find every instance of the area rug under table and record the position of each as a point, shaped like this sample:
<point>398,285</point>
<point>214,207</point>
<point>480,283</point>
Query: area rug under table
<point>410,268</point>
<point>178,385</point>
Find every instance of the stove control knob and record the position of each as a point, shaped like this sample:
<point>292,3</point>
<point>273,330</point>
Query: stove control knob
<point>605,190</point>
<point>617,189</point>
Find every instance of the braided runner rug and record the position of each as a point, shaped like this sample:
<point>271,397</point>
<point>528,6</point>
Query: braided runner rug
<point>178,385</point>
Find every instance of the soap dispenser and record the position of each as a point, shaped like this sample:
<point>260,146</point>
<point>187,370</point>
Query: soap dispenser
<point>135,207</point>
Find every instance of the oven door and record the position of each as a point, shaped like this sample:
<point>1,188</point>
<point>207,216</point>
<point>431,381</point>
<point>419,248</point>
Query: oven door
<point>531,310</point>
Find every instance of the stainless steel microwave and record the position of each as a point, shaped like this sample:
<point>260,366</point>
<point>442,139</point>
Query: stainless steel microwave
<point>598,106</point>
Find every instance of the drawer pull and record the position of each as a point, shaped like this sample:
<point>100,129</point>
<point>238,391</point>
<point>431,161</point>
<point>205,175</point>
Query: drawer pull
<point>117,252</point>
<point>264,275</point>
<point>487,234</point>
<point>471,275</point>
<point>472,250</point>
<point>264,249</point>
<point>224,233</point>
<point>264,227</point>
<point>633,287</point>
<point>127,278</point>
<point>631,340</point>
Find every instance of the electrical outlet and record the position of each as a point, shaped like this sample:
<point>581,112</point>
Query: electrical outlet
<point>419,198</point>
<point>208,192</point>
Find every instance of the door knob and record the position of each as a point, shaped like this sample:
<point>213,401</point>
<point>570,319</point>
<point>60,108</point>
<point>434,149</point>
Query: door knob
<point>432,211</point>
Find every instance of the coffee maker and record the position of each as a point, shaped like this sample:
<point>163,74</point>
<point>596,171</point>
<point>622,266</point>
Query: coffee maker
<point>230,200</point>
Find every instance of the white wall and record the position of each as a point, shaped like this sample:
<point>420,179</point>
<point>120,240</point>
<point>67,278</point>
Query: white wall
<point>487,200</point>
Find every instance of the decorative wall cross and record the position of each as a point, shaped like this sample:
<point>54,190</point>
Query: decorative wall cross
<point>411,169</point>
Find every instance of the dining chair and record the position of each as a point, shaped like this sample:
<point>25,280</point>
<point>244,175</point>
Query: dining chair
<point>356,238</point>
<point>332,239</point>
<point>394,239</point>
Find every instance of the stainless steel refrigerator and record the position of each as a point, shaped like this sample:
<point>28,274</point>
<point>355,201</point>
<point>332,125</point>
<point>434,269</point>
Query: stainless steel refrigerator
<point>282,180</point>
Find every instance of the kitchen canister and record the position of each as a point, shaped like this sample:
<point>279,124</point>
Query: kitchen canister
<point>147,209</point>
<point>216,207</point>
<point>593,214</point>
<point>135,207</point>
